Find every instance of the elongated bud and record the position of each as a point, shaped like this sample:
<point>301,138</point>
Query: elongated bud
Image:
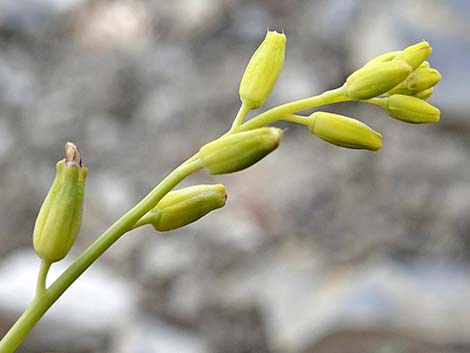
<point>375,79</point>
<point>343,131</point>
<point>419,80</point>
<point>425,94</point>
<point>415,54</point>
<point>424,65</point>
<point>182,207</point>
<point>262,70</point>
<point>238,151</point>
<point>423,78</point>
<point>59,218</point>
<point>411,109</point>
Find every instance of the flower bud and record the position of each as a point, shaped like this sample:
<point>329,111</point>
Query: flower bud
<point>59,218</point>
<point>419,80</point>
<point>375,79</point>
<point>422,79</point>
<point>415,54</point>
<point>182,207</point>
<point>262,70</point>
<point>238,151</point>
<point>343,131</point>
<point>424,65</point>
<point>411,109</point>
<point>425,94</point>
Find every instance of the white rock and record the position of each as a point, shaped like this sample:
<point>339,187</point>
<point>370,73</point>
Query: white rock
<point>97,301</point>
<point>154,336</point>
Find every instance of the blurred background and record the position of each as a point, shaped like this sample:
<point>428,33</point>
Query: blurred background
<point>318,250</point>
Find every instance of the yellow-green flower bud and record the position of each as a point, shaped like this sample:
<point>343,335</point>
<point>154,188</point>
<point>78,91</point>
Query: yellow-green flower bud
<point>424,65</point>
<point>425,94</point>
<point>411,109</point>
<point>423,78</point>
<point>343,131</point>
<point>262,70</point>
<point>182,207</point>
<point>238,151</point>
<point>384,57</point>
<point>415,54</point>
<point>59,218</point>
<point>419,80</point>
<point>375,79</point>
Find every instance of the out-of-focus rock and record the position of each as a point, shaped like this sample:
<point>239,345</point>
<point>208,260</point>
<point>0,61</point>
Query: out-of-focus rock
<point>33,17</point>
<point>83,316</point>
<point>233,329</point>
<point>377,341</point>
<point>146,334</point>
<point>178,269</point>
<point>7,140</point>
<point>18,84</point>
<point>104,25</point>
<point>183,19</point>
<point>301,304</point>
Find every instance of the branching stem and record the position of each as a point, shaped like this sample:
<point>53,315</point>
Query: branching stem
<point>45,298</point>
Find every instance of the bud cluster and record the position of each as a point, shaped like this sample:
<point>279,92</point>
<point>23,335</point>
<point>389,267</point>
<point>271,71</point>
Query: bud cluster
<point>400,82</point>
<point>402,72</point>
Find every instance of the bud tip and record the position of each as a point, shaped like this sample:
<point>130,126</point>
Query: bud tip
<point>276,37</point>
<point>277,134</point>
<point>72,154</point>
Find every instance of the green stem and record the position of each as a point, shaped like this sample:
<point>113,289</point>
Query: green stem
<point>285,110</point>
<point>141,222</point>
<point>49,296</point>
<point>192,159</point>
<point>298,119</point>
<point>42,303</point>
<point>42,276</point>
<point>381,102</point>
<point>244,109</point>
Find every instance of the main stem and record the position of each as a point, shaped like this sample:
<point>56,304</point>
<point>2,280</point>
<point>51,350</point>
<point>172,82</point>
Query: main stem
<point>47,297</point>
<point>44,301</point>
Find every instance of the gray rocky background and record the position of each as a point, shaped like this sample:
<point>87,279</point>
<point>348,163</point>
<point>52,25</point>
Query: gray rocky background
<point>318,250</point>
